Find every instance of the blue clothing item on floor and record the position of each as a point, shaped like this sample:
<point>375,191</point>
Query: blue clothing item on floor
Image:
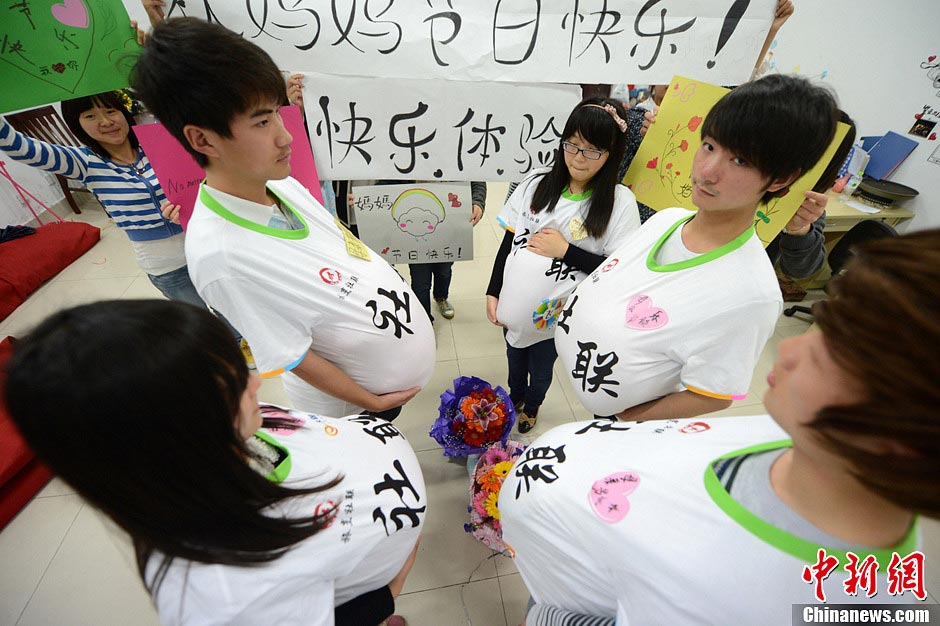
<point>530,372</point>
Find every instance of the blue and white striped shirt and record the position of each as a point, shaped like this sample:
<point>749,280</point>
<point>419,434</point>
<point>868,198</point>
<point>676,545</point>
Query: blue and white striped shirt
<point>130,194</point>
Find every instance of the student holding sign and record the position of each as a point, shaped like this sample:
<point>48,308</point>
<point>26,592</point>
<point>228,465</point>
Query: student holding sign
<point>672,324</point>
<point>561,222</point>
<point>319,308</point>
<point>734,520</point>
<point>113,166</point>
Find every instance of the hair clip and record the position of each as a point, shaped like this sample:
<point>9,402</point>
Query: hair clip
<point>621,124</point>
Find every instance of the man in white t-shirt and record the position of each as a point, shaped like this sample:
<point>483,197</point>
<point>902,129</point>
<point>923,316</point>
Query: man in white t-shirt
<point>316,305</point>
<point>672,324</point>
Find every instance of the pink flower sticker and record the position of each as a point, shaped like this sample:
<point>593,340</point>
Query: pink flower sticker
<point>651,164</point>
<point>608,496</point>
<point>642,315</point>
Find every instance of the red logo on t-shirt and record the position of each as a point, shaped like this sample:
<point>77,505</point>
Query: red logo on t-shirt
<point>330,276</point>
<point>694,427</point>
<point>610,265</point>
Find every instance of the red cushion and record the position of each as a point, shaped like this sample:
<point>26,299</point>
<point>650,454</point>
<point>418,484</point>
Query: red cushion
<point>28,262</point>
<point>21,475</point>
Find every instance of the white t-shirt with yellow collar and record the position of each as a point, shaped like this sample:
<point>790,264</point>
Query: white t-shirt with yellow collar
<point>535,287</point>
<point>317,288</point>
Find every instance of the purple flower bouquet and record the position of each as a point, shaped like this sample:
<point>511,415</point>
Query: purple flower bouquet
<point>473,417</point>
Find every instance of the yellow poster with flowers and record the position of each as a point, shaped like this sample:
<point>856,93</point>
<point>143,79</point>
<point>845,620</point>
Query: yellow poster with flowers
<point>660,174</point>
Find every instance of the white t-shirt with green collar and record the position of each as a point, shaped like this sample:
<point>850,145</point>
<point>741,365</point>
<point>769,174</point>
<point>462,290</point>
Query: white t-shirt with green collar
<point>535,287</point>
<point>620,518</point>
<point>636,330</point>
<point>379,510</point>
<point>317,287</point>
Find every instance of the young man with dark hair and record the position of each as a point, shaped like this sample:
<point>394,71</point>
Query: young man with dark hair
<point>672,324</point>
<point>318,307</point>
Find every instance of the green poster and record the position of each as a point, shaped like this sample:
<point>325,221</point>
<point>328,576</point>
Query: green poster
<point>52,51</point>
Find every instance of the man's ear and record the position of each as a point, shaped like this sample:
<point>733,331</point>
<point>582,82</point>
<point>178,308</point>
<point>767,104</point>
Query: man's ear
<point>201,140</point>
<point>781,187</point>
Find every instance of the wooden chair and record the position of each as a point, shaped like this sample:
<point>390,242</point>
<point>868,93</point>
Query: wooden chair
<point>44,123</point>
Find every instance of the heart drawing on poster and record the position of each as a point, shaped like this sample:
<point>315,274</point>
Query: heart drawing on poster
<point>59,44</point>
<point>608,496</point>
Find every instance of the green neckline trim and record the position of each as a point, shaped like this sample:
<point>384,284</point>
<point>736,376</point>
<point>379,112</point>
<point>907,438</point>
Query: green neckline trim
<point>576,197</point>
<point>701,259</point>
<point>282,471</point>
<point>216,207</point>
<point>804,550</point>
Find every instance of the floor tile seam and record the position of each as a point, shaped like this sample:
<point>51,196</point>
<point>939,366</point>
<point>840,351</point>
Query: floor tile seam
<point>45,571</point>
<point>477,579</point>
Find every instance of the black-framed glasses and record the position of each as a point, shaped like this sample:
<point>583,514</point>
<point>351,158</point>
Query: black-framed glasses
<point>589,154</point>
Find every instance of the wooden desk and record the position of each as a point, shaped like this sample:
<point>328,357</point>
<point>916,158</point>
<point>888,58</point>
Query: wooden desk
<point>840,217</point>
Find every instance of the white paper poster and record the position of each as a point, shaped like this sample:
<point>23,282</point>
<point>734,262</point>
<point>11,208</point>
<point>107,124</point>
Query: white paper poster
<point>373,128</point>
<point>571,41</point>
<point>416,222</point>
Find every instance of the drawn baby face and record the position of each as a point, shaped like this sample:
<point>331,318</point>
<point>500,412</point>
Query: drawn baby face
<point>417,212</point>
<point>418,222</point>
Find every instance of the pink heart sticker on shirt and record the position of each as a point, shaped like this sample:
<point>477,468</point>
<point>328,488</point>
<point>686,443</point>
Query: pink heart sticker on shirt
<point>608,496</point>
<point>71,13</point>
<point>642,315</point>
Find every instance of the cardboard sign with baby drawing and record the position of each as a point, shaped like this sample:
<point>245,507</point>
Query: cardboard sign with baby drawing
<point>416,222</point>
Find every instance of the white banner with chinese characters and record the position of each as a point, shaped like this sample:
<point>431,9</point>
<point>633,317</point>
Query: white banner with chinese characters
<point>416,222</point>
<point>373,128</point>
<point>570,41</point>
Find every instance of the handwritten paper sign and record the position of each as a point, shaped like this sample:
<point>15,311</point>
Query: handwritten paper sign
<point>660,174</point>
<point>52,51</point>
<point>180,175</point>
<point>573,41</point>
<point>370,128</point>
<point>417,222</point>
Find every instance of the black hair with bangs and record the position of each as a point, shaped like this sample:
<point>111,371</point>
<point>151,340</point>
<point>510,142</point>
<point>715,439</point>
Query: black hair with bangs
<point>193,72</point>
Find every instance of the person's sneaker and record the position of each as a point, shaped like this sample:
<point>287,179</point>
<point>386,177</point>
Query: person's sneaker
<point>246,352</point>
<point>446,309</point>
<point>527,420</point>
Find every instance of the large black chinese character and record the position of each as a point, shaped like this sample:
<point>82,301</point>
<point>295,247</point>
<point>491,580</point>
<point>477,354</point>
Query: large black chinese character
<point>548,138</point>
<point>391,317</point>
<point>455,22</point>
<point>604,426</point>
<point>398,514</point>
<point>600,30</point>
<point>566,314</point>
<point>388,28</point>
<point>411,143</point>
<point>14,47</point>
<point>379,428</point>
<point>521,240</point>
<point>358,129</point>
<point>294,24</point>
<point>661,33</point>
<point>517,30</point>
<point>538,464</point>
<point>601,364</point>
<point>561,270</point>
<point>487,134</point>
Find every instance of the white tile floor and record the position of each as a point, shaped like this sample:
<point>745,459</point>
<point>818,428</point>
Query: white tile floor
<point>61,563</point>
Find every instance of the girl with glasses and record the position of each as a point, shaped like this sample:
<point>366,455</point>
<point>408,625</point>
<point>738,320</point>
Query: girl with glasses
<point>561,222</point>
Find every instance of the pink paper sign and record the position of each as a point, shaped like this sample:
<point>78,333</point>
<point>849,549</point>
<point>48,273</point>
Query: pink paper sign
<point>180,175</point>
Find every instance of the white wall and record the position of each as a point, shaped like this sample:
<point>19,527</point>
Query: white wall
<point>872,50</point>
